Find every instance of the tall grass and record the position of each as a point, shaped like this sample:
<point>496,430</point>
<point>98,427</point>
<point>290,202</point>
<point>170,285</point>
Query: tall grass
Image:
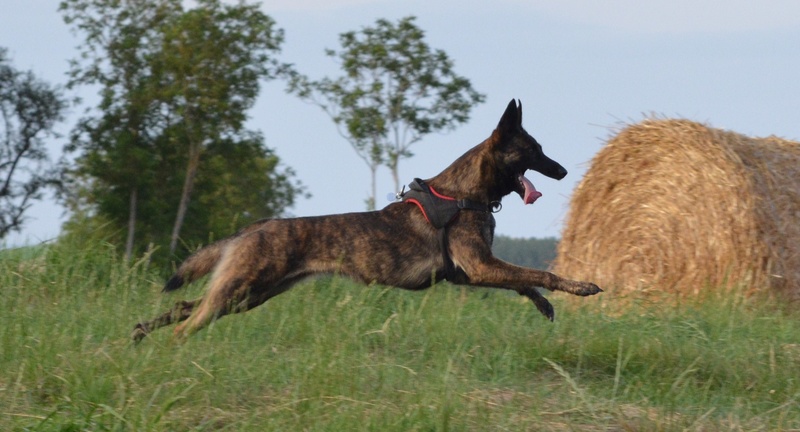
<point>334,355</point>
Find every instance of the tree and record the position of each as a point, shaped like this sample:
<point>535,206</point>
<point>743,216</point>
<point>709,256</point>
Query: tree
<point>527,252</point>
<point>174,83</point>
<point>241,182</point>
<point>395,89</point>
<point>30,108</point>
<point>121,38</point>
<point>211,62</point>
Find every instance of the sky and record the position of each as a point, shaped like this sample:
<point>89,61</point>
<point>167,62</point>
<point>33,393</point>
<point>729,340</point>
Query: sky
<point>582,69</point>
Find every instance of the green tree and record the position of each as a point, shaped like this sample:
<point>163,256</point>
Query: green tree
<point>120,41</point>
<point>394,90</point>
<point>174,84</point>
<point>528,252</point>
<point>239,181</point>
<point>211,62</point>
<point>243,177</point>
<point>29,110</point>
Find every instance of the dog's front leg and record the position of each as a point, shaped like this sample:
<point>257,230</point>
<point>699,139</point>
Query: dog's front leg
<point>493,272</point>
<point>540,302</point>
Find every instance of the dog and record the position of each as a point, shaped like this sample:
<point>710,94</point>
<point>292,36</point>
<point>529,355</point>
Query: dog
<point>441,229</point>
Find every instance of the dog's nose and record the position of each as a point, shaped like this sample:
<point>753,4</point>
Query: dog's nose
<point>562,172</point>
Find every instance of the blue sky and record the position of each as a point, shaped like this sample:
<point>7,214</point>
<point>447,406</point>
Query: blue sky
<point>581,68</point>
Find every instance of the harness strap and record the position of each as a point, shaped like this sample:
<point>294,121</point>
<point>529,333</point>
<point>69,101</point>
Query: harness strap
<point>440,211</point>
<point>449,265</point>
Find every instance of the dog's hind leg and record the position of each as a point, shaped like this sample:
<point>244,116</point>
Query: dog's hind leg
<point>242,300</point>
<point>241,282</point>
<point>180,312</point>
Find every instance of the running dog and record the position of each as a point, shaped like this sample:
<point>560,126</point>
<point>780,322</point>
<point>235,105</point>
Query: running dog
<point>442,228</point>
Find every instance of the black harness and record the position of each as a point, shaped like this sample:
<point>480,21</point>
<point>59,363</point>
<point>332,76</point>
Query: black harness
<point>440,211</point>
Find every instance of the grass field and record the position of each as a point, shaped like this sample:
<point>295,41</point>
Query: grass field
<point>333,355</point>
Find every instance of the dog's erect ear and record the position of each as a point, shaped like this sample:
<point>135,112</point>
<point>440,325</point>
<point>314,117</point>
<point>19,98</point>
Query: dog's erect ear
<point>511,119</point>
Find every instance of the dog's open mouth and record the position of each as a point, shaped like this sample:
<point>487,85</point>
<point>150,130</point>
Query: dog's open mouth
<point>527,191</point>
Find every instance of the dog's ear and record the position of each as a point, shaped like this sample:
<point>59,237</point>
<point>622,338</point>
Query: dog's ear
<point>511,119</point>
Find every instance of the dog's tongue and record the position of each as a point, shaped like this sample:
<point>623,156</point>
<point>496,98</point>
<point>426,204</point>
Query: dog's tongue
<point>531,194</point>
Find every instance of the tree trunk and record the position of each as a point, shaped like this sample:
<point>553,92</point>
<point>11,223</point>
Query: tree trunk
<point>395,175</point>
<point>188,184</point>
<point>371,200</point>
<point>131,224</point>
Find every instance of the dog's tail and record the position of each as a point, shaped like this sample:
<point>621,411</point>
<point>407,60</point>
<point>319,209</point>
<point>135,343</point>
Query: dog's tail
<point>196,266</point>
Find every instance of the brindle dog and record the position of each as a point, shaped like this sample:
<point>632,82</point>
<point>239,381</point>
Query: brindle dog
<point>394,246</point>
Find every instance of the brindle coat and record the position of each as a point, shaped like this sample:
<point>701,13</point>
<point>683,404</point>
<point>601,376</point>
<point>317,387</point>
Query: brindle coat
<point>394,246</point>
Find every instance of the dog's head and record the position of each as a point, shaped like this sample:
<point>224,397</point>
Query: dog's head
<point>516,152</point>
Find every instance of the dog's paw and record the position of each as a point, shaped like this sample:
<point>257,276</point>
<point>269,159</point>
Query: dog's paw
<point>138,333</point>
<point>582,289</point>
<point>588,288</point>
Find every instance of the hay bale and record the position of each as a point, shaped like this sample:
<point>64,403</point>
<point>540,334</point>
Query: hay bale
<point>677,206</point>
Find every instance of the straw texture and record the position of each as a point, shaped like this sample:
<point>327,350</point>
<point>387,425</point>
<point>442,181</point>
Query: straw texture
<point>678,206</point>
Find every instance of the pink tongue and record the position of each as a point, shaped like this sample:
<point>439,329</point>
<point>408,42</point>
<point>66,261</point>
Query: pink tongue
<point>531,194</point>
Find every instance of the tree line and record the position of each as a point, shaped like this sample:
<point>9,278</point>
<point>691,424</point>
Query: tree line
<point>164,161</point>
<point>527,252</point>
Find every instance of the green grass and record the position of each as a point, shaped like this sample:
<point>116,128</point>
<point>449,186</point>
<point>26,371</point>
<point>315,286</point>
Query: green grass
<point>334,355</point>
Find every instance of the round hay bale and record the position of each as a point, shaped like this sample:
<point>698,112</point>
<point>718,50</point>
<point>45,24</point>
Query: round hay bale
<point>677,206</point>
